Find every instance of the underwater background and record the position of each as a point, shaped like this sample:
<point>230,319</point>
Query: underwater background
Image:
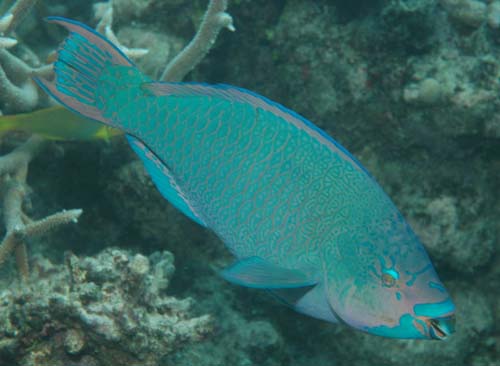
<point>409,87</point>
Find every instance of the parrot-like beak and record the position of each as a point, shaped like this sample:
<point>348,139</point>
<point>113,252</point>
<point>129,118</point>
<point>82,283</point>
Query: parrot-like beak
<point>441,328</point>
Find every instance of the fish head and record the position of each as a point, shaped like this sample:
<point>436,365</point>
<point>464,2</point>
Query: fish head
<point>381,281</point>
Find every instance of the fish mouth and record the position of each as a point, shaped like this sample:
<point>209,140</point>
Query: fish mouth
<point>441,328</point>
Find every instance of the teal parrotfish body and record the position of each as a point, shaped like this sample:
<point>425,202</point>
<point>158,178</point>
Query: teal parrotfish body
<point>303,218</point>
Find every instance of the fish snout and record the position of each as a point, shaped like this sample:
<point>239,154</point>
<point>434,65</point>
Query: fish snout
<point>441,328</point>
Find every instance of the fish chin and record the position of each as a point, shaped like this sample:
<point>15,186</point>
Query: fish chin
<point>421,321</point>
<point>407,328</point>
<point>410,327</point>
<point>439,318</point>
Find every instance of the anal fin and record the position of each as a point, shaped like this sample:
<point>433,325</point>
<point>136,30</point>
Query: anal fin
<point>163,179</point>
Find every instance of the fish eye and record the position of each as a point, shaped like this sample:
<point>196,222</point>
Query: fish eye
<point>389,277</point>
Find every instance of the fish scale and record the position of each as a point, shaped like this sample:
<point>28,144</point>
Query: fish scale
<point>302,216</point>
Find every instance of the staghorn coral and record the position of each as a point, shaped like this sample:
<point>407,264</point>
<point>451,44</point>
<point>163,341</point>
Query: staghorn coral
<point>436,155</point>
<point>109,309</point>
<point>17,98</point>
<point>17,67</point>
<point>19,227</point>
<point>104,12</point>
<point>213,21</point>
<point>95,311</point>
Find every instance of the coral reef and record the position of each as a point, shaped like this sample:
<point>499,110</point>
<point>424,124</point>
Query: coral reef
<point>110,309</point>
<point>19,93</point>
<point>99,311</point>
<point>14,167</point>
<point>432,105</point>
<point>410,87</point>
<point>414,95</point>
<point>412,91</point>
<point>19,227</point>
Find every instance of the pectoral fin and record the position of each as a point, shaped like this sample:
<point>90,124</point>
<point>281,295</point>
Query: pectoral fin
<point>256,272</point>
<point>310,301</point>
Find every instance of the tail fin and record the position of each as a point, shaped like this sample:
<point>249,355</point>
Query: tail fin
<point>81,59</point>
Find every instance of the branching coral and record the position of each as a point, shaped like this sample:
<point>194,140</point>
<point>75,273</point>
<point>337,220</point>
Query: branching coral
<point>19,94</point>
<point>19,227</point>
<point>214,20</point>
<point>18,91</point>
<point>104,12</point>
<point>5,22</point>
<point>18,10</point>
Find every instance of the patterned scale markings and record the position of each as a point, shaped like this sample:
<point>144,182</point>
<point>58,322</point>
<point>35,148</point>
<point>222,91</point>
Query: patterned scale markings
<point>263,185</point>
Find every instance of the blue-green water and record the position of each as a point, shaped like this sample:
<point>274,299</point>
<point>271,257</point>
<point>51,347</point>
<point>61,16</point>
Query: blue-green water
<point>409,87</point>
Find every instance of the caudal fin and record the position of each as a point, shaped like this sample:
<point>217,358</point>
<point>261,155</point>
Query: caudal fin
<point>81,59</point>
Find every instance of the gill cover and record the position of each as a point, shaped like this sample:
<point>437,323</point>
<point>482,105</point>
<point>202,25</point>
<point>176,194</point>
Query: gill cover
<point>387,287</point>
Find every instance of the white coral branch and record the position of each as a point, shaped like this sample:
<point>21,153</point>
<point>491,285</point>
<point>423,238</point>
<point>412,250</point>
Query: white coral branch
<point>19,227</point>
<point>104,12</point>
<point>20,94</point>
<point>214,20</point>
<point>5,22</point>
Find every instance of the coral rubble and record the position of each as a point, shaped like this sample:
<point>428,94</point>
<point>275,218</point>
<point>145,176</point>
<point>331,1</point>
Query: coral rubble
<point>110,309</point>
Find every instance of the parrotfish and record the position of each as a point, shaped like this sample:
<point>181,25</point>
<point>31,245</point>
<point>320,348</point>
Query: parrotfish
<point>304,219</point>
<point>57,123</point>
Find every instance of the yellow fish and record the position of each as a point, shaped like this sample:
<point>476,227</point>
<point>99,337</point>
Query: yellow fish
<point>57,123</point>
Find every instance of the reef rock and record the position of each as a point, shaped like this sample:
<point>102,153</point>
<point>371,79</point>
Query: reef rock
<point>110,309</point>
